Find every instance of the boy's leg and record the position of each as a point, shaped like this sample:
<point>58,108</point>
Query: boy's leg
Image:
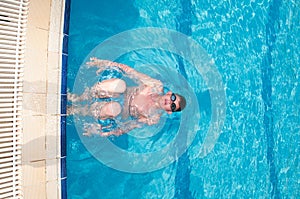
<point>104,110</point>
<point>105,89</point>
<point>100,110</point>
<point>108,88</point>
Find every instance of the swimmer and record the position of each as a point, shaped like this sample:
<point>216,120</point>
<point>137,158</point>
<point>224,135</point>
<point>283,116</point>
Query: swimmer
<point>144,103</point>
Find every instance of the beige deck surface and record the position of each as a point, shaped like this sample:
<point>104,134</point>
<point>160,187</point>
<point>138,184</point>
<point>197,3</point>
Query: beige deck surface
<point>41,100</point>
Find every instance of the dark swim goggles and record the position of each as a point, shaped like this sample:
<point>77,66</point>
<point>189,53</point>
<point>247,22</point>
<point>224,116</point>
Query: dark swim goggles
<point>173,105</point>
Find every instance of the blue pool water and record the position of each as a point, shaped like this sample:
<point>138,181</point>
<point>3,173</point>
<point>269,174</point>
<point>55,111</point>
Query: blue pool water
<point>240,134</point>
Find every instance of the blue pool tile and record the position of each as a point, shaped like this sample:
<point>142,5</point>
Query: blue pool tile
<point>67,16</point>
<point>64,85</point>
<point>64,63</point>
<point>63,104</point>
<point>64,188</point>
<point>65,44</point>
<point>64,74</point>
<point>63,163</point>
<point>64,99</point>
<point>63,136</point>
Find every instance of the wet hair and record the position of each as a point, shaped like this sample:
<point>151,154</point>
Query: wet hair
<point>182,103</point>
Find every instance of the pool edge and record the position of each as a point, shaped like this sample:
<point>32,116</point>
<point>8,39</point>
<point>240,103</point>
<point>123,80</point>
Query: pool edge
<point>64,58</point>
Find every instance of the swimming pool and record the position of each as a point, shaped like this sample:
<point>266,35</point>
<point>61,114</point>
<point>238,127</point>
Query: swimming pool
<point>239,138</point>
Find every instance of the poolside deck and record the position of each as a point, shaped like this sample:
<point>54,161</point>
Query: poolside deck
<point>41,100</point>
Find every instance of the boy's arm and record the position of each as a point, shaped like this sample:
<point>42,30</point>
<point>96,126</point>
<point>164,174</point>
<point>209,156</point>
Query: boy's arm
<point>130,125</point>
<point>122,129</point>
<point>103,64</point>
<point>150,121</point>
<point>97,129</point>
